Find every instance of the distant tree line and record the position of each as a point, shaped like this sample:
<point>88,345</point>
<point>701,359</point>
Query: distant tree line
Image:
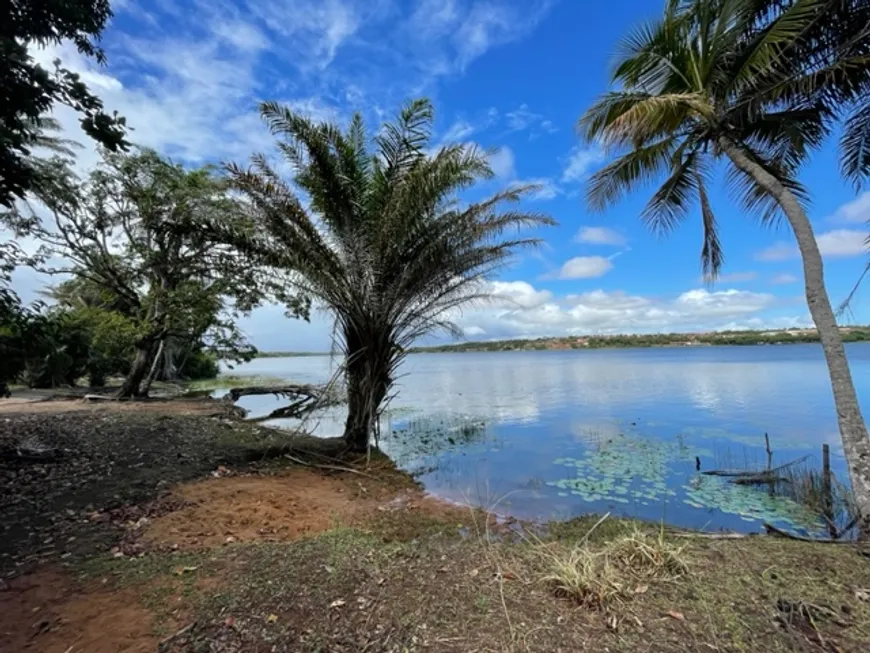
<point>850,334</point>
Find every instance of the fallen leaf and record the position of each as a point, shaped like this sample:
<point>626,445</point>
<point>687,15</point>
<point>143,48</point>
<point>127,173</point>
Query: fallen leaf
<point>337,603</point>
<point>474,572</point>
<point>863,595</point>
<point>272,618</point>
<point>673,614</point>
<point>230,621</point>
<point>641,589</point>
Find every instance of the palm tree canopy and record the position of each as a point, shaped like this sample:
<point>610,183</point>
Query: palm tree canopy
<point>384,242</point>
<point>758,73</point>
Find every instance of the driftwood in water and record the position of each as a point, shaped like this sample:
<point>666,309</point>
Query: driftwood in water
<point>773,530</point>
<point>768,473</point>
<point>304,399</point>
<point>759,479</point>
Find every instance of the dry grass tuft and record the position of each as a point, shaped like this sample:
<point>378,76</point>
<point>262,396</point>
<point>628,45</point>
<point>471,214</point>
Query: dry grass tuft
<point>595,575</point>
<point>584,576</point>
<point>642,555</point>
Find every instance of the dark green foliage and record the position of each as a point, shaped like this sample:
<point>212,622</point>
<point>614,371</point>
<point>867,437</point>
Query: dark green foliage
<point>29,91</point>
<point>152,273</point>
<point>199,365</point>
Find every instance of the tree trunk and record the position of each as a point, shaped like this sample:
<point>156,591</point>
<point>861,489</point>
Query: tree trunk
<point>368,382</point>
<point>155,368</point>
<point>138,370</point>
<point>853,431</point>
<point>365,393</point>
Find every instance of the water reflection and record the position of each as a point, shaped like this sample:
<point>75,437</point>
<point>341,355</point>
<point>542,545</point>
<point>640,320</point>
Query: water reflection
<point>540,406</point>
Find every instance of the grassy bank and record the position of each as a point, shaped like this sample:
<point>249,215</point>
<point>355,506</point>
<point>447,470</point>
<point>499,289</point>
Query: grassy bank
<point>211,540</point>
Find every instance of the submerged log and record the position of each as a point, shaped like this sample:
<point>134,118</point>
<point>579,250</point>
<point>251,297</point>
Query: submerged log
<point>304,398</point>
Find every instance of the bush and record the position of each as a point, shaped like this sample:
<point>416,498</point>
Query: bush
<point>200,365</point>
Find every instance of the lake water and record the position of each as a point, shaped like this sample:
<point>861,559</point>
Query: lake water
<point>556,434</point>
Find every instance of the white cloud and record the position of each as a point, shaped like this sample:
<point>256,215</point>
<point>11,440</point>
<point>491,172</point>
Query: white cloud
<point>491,24</point>
<point>458,131</point>
<point>512,294</point>
<point>314,30</point>
<point>519,309</point>
<point>599,236</point>
<point>600,311</point>
<point>523,118</point>
<point>585,267</point>
<point>843,243</point>
<point>839,243</point>
<point>858,210</point>
<point>731,277</point>
<point>782,279</point>
<point>547,189</point>
<point>580,162</point>
<point>502,163</point>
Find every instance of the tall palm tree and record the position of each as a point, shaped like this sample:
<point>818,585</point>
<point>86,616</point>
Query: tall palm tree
<point>734,82</point>
<point>385,244</point>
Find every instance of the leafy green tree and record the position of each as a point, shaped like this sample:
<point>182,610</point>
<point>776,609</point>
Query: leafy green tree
<point>755,86</point>
<point>385,245</point>
<point>29,91</point>
<point>139,233</point>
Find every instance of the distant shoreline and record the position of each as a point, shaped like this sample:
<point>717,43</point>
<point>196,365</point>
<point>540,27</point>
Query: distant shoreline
<point>641,341</point>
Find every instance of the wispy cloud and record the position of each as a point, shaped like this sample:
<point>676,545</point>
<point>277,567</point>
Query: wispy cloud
<point>858,210</point>
<point>783,279</point>
<point>580,162</point>
<point>600,236</point>
<point>503,164</point>
<point>546,190</point>
<point>585,267</point>
<point>731,277</point>
<point>523,118</point>
<point>839,243</point>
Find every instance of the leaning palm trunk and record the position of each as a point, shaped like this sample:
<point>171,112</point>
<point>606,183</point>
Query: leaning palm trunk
<point>853,431</point>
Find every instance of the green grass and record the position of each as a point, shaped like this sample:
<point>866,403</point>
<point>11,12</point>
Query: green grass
<point>225,382</point>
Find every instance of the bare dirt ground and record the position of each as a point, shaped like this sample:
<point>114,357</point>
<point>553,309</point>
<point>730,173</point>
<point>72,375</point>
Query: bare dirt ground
<point>173,532</point>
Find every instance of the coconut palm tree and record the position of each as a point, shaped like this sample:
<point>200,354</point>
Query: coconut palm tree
<point>731,82</point>
<point>384,243</point>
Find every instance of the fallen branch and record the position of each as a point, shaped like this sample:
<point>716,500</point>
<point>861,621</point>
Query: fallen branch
<point>336,468</point>
<point>713,536</point>
<point>776,532</point>
<point>305,399</point>
<point>164,643</point>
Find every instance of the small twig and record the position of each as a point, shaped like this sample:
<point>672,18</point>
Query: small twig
<point>165,642</point>
<point>711,536</point>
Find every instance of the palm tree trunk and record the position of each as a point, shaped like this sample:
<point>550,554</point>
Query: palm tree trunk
<point>365,393</point>
<point>853,430</point>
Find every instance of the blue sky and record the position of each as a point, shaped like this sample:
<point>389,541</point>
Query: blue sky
<point>513,74</point>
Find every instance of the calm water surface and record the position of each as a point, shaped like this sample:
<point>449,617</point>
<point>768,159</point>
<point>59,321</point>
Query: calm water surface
<point>559,434</point>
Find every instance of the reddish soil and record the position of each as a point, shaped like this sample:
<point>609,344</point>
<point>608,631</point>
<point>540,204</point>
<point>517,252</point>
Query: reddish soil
<point>46,612</point>
<point>280,508</point>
